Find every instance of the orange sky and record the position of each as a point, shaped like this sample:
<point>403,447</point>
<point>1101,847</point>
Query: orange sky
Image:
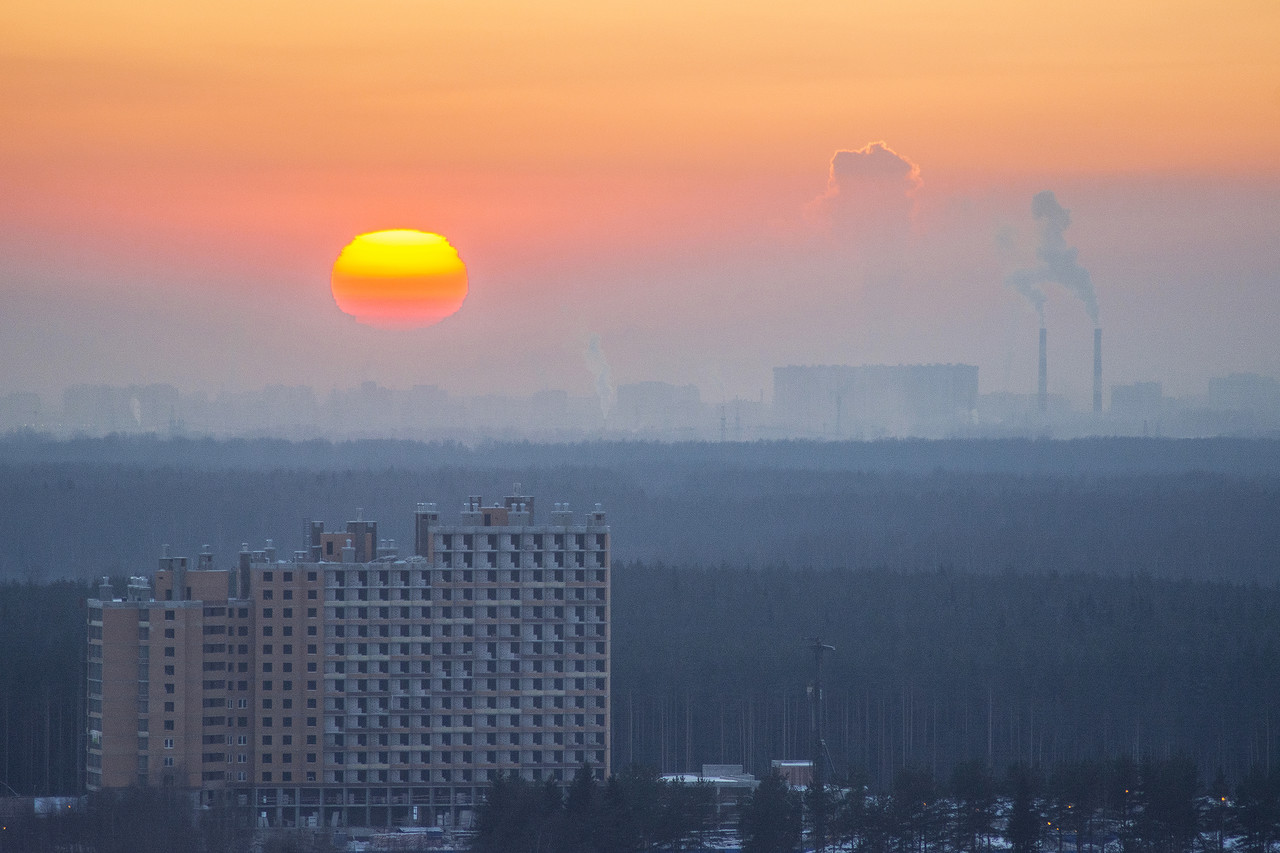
<point>335,107</point>
<point>722,86</point>
<point>560,139</point>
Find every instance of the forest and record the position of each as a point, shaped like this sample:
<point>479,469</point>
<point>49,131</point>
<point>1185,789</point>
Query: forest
<point>1030,603</point>
<point>1195,509</point>
<point>930,669</point>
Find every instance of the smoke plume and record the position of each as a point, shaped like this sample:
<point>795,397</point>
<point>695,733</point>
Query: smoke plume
<point>600,369</point>
<point>1056,260</point>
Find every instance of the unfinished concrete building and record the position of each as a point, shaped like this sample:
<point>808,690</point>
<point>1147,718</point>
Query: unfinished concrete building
<point>350,686</point>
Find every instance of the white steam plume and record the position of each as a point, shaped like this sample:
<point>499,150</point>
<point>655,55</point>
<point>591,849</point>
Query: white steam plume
<point>1056,260</point>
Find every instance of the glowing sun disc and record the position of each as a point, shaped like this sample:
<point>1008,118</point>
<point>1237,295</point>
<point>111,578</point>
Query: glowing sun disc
<point>399,279</point>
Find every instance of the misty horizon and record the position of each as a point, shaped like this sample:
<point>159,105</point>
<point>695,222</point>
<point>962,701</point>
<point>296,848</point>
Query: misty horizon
<point>947,291</point>
<point>830,402</point>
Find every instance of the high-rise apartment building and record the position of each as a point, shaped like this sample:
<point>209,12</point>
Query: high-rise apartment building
<point>352,686</point>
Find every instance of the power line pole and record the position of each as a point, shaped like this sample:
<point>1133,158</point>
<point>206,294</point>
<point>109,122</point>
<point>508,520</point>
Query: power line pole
<point>820,751</point>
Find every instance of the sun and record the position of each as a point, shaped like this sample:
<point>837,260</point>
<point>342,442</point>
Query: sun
<point>399,279</point>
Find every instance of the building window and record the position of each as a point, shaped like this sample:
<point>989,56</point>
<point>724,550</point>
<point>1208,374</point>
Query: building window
<point>168,743</point>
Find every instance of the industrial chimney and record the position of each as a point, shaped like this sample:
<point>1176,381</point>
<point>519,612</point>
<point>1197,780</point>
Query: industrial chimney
<point>1097,371</point>
<point>1044,369</point>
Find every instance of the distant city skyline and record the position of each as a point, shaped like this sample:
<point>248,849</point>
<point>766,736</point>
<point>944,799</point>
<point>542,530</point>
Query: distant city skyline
<point>830,402</point>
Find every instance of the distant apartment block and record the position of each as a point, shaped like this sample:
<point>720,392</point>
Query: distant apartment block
<point>351,686</point>
<point>657,408</point>
<point>875,399</point>
<point>1244,392</point>
<point>1137,400</point>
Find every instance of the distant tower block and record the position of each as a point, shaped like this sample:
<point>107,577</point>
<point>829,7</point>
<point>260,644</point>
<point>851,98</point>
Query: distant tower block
<point>1044,369</point>
<point>1097,371</point>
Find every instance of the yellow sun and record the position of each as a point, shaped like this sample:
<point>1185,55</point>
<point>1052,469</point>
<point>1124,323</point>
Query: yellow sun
<point>399,279</point>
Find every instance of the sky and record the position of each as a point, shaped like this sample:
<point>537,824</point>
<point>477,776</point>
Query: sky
<point>688,192</point>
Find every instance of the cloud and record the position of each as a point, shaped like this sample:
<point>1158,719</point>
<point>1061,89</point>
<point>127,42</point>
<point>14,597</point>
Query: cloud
<point>870,193</point>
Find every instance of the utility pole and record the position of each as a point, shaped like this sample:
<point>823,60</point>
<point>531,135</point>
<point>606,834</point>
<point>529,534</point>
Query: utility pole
<point>820,751</point>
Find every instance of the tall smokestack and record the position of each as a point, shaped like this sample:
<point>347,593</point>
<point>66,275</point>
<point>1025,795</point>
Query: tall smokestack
<point>1097,371</point>
<point>1044,369</point>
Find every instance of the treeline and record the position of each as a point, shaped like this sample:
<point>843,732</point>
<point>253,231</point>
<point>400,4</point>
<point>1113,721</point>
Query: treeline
<point>1202,510</point>
<point>631,811</point>
<point>1153,806</point>
<point>1252,457</point>
<point>150,820</point>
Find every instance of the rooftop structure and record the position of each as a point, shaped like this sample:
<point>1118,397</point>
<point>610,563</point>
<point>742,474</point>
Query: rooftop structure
<point>730,784</point>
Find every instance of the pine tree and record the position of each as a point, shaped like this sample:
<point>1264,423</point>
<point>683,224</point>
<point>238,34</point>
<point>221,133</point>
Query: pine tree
<point>1025,822</point>
<point>1255,814</point>
<point>771,818</point>
<point>973,804</point>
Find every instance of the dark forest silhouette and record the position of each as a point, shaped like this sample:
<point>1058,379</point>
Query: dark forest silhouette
<point>1202,509</point>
